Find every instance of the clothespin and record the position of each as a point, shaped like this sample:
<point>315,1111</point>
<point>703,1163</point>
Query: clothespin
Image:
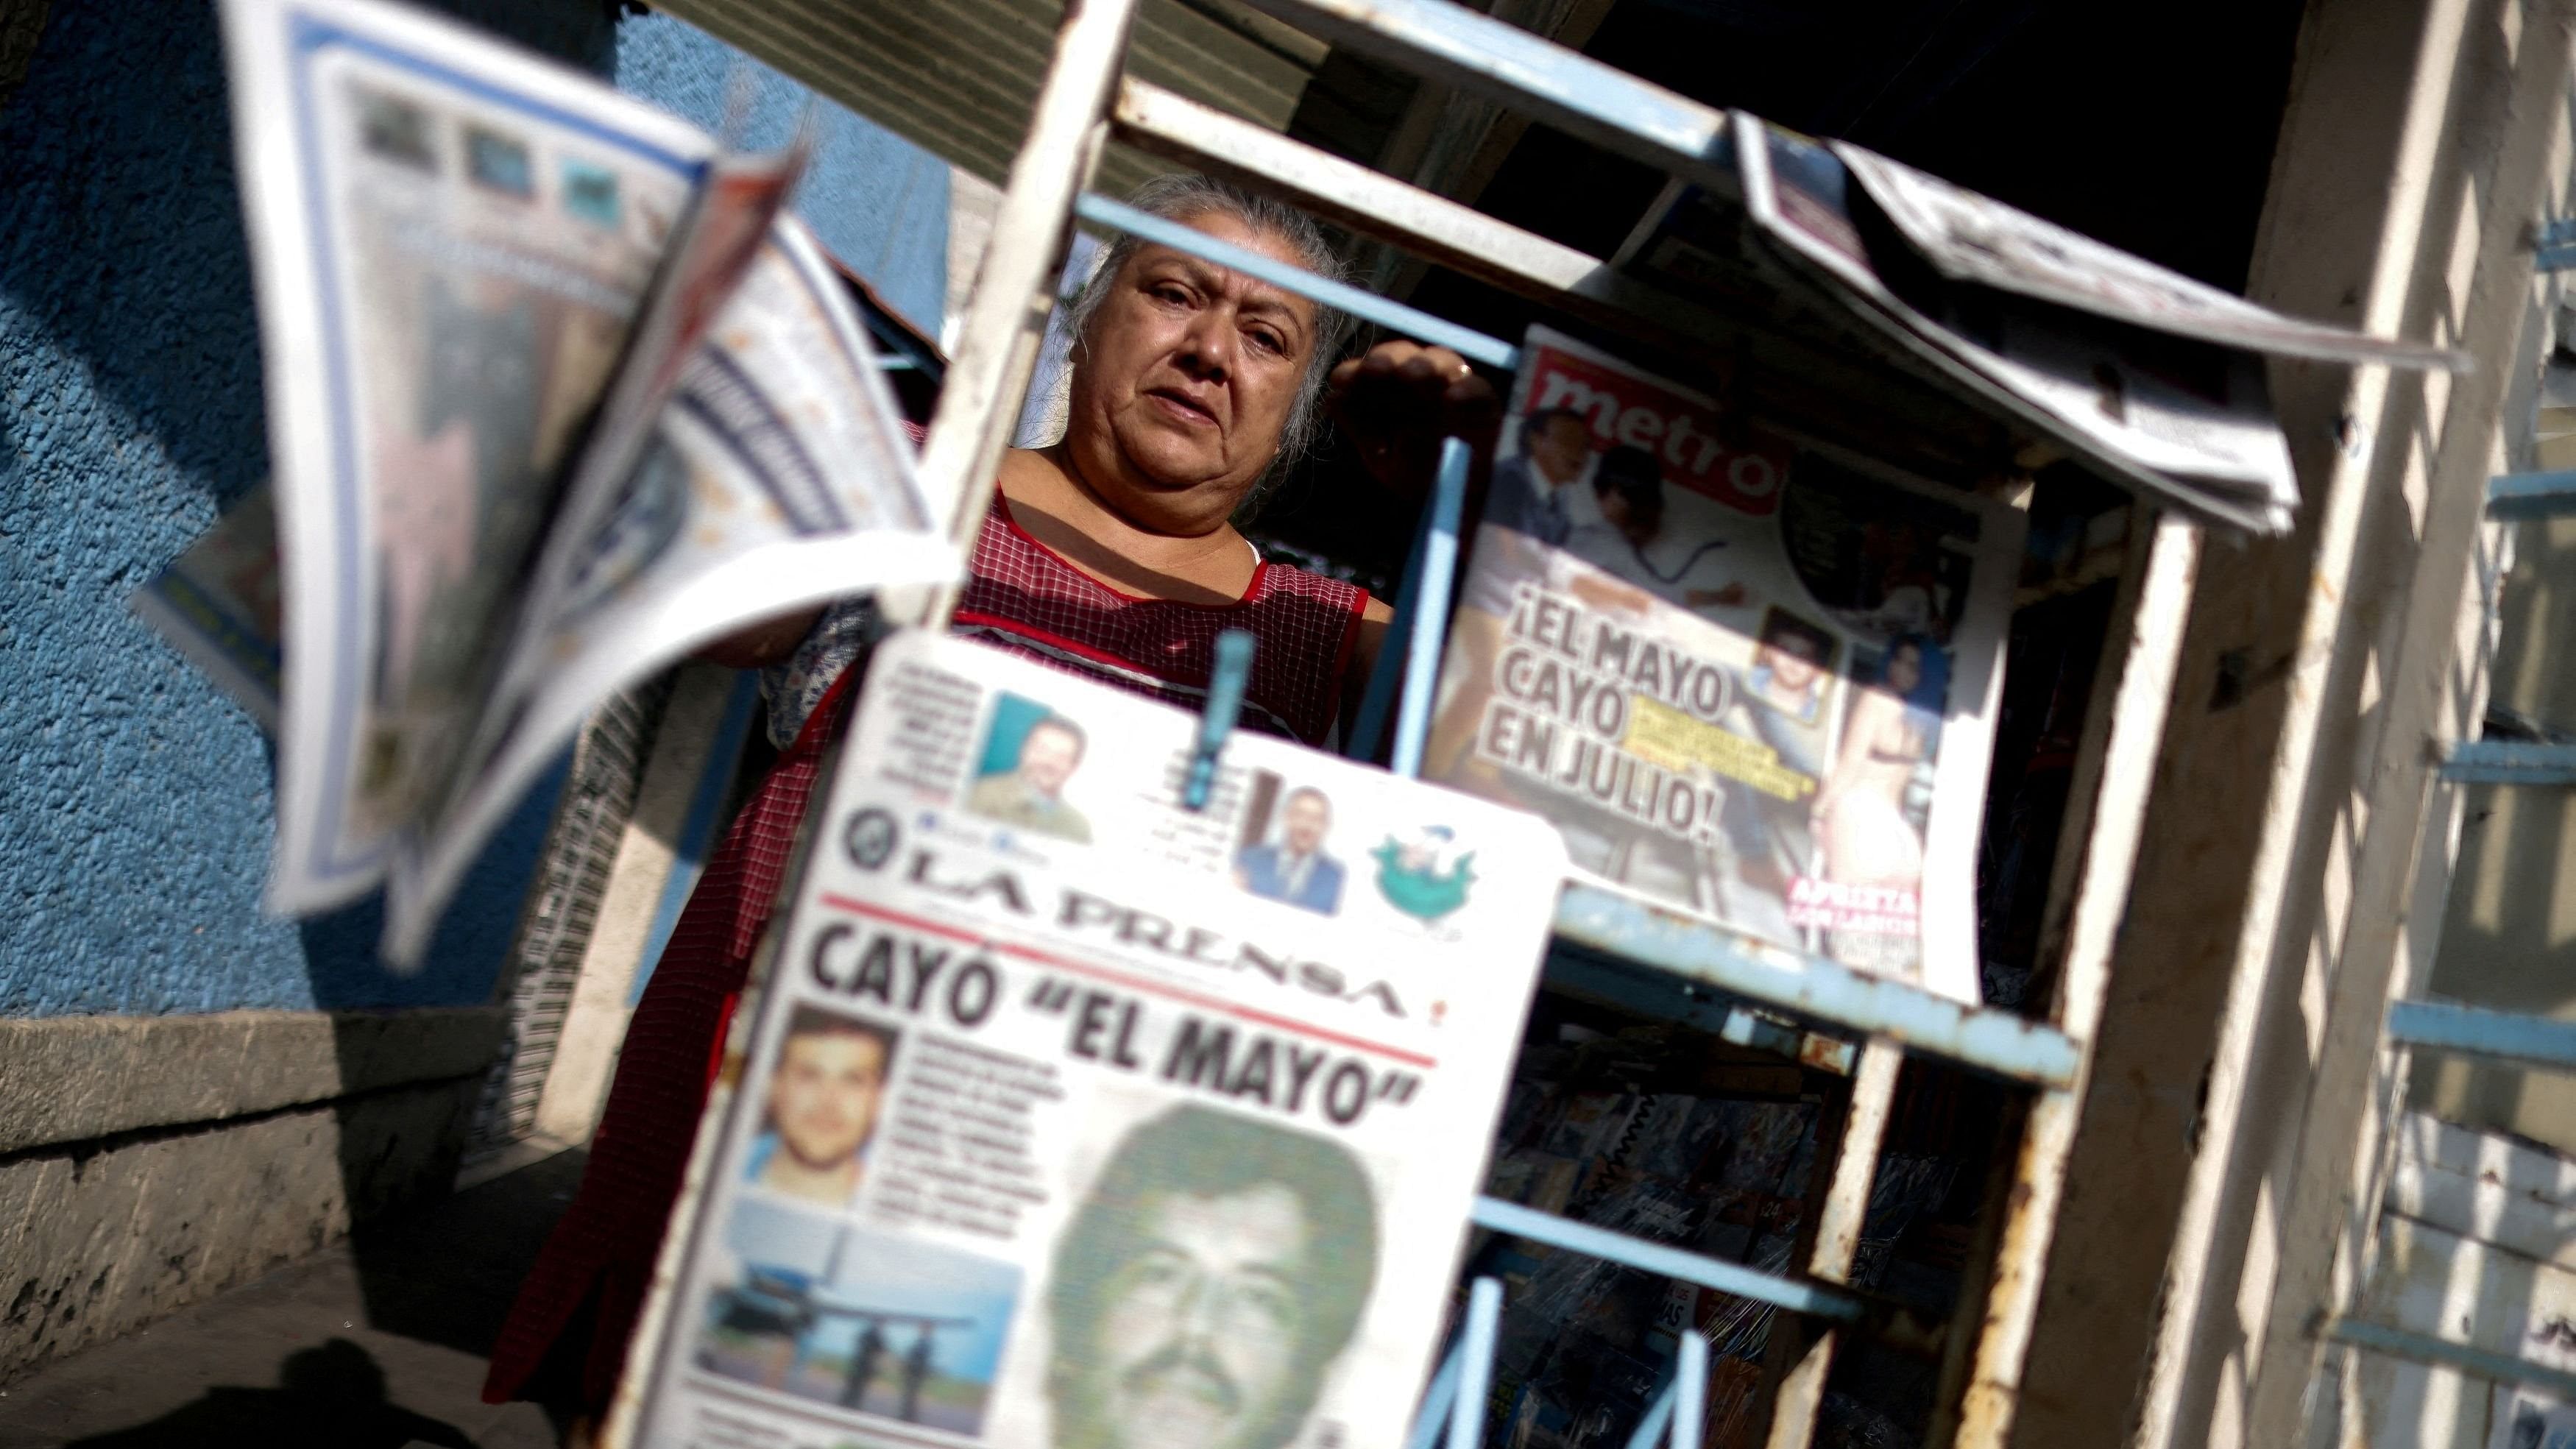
<point>2554,245</point>
<point>1216,720</point>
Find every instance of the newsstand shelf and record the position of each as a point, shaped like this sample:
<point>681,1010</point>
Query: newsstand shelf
<point>1684,952</point>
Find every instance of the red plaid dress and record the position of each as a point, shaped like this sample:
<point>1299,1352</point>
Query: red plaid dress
<point>591,1278</point>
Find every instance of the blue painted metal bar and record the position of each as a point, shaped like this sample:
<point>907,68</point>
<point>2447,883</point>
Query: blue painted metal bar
<point>1433,1416</point>
<point>1377,702</point>
<point>1668,1262</point>
<point>1217,713</point>
<point>1394,316</point>
<point>2510,762</point>
<point>2445,1026</point>
<point>1659,1415</point>
<point>2519,496</point>
<point>1427,594</point>
<point>2000,1042</point>
<point>2424,1348</point>
<point>1690,1389</point>
<point>1516,69</point>
<point>1476,1357</point>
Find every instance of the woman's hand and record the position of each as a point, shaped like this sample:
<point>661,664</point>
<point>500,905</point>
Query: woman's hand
<point>1397,403</point>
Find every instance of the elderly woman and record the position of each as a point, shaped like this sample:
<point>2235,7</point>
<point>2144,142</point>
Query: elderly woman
<point>1112,553</point>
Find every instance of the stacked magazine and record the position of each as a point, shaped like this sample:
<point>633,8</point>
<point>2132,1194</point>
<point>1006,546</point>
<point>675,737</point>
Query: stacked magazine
<point>557,392</point>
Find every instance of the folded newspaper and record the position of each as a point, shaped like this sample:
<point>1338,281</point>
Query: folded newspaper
<point>557,392</point>
<point>1748,677</point>
<point>2150,379</point>
<point>1072,1117</point>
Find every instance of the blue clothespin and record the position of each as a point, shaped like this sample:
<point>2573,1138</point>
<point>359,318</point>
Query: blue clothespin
<point>1216,721</point>
<point>2555,245</point>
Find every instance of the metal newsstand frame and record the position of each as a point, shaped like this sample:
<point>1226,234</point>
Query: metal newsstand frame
<point>1620,949</point>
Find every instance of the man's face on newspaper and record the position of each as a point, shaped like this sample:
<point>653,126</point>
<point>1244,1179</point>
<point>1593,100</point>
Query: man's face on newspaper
<point>1307,819</point>
<point>1793,661</point>
<point>1047,759</point>
<point>1561,448</point>
<point>824,1096</point>
<point>1196,1342</point>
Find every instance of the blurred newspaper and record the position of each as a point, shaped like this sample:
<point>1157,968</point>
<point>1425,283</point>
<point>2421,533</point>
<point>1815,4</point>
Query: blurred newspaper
<point>2150,379</point>
<point>557,392</point>
<point>1750,678</point>
<point>1072,1117</point>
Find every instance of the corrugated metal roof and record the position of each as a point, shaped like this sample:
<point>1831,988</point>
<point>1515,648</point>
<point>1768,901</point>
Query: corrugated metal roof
<point>958,77</point>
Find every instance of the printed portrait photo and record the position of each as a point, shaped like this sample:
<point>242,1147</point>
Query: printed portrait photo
<point>1793,661</point>
<point>819,1116</point>
<point>499,162</point>
<point>1213,1276</point>
<point>893,1328</point>
<point>395,129</point>
<point>590,192</point>
<point>1030,755</point>
<point>1283,854</point>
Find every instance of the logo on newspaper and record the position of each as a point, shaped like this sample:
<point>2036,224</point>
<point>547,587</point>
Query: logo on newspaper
<point>1426,878</point>
<point>870,838</point>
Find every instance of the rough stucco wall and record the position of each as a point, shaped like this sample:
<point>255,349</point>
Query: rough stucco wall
<point>136,835</point>
<point>876,201</point>
<point>97,1244</point>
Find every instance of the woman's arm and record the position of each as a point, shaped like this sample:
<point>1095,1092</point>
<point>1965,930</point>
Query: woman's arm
<point>1396,404</point>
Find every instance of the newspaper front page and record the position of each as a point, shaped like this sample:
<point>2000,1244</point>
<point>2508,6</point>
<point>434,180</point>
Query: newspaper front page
<point>1749,678</point>
<point>1074,1118</point>
<point>453,242</point>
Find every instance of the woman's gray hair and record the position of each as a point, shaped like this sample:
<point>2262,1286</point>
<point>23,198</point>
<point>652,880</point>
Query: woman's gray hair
<point>1183,196</point>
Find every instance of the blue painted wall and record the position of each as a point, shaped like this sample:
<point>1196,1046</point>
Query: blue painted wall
<point>876,201</point>
<point>135,833</point>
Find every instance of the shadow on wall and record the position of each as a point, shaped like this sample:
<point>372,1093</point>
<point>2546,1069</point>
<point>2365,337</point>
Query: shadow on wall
<point>2509,934</point>
<point>329,1397</point>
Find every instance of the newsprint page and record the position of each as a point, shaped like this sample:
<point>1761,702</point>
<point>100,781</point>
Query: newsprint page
<point>1748,677</point>
<point>556,392</point>
<point>1072,1117</point>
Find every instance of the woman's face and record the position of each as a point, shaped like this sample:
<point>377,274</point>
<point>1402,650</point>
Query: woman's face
<point>1904,669</point>
<point>1178,401</point>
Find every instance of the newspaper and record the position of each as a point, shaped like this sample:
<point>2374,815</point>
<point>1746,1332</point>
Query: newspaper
<point>1972,238</point>
<point>1749,678</point>
<point>2191,423</point>
<point>556,391</point>
<point>1072,1117</point>
<point>2150,379</point>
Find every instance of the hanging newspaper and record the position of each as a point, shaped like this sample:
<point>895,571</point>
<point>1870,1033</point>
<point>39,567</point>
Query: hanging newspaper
<point>556,394</point>
<point>2150,379</point>
<point>1748,678</point>
<point>1074,1117</point>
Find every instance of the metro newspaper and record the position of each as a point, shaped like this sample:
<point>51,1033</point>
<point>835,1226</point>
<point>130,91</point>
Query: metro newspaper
<point>1070,1116</point>
<point>1747,676</point>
